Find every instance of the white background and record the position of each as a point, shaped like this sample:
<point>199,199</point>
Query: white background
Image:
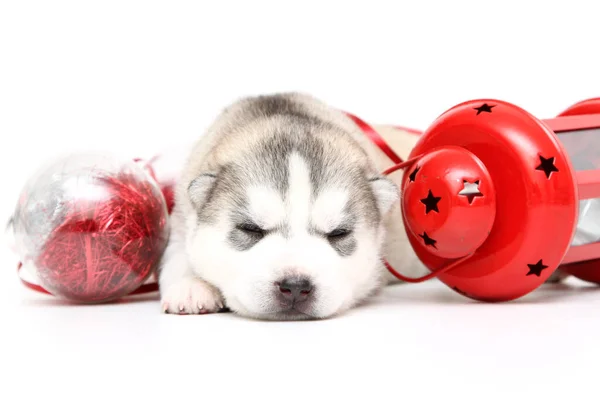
<point>135,77</point>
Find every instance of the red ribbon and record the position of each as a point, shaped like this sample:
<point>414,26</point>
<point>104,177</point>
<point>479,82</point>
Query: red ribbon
<point>379,141</point>
<point>376,138</point>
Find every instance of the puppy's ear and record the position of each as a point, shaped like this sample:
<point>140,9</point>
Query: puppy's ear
<point>200,188</point>
<point>386,193</point>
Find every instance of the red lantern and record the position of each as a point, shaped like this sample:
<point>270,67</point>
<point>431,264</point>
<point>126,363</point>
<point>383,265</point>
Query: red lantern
<point>494,200</point>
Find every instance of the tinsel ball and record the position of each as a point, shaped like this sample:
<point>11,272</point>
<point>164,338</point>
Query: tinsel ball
<point>92,226</point>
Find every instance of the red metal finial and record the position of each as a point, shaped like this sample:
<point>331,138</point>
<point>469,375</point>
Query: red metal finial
<point>449,202</point>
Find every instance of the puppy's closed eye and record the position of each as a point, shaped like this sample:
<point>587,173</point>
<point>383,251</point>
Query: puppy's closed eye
<point>339,233</point>
<point>251,229</point>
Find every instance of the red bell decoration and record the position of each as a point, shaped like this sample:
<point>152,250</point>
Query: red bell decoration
<point>494,200</point>
<point>91,228</point>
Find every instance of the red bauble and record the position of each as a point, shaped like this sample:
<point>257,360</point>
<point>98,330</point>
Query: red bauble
<point>92,228</point>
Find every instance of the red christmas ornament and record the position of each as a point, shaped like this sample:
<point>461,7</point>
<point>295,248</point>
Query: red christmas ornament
<point>91,228</point>
<point>495,200</point>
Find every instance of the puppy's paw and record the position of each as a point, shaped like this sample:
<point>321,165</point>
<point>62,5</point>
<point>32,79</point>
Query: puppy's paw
<point>191,296</point>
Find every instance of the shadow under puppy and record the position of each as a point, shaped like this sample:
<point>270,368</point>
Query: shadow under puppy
<point>281,213</point>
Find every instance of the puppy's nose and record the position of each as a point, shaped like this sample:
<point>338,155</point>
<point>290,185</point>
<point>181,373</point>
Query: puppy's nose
<point>295,288</point>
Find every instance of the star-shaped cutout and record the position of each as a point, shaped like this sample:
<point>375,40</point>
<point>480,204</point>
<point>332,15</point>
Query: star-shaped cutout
<point>536,269</point>
<point>485,107</point>
<point>413,175</point>
<point>431,203</point>
<point>470,190</point>
<point>428,241</point>
<point>547,165</point>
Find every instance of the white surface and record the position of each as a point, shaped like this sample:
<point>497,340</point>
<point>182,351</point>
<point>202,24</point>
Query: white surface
<point>143,75</point>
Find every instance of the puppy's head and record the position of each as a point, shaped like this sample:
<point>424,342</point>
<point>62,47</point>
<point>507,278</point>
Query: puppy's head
<point>292,227</point>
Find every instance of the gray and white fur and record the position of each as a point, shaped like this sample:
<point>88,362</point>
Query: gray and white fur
<point>281,212</point>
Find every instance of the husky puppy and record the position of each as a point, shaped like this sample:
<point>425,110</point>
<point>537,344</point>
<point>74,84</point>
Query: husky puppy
<point>281,212</point>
